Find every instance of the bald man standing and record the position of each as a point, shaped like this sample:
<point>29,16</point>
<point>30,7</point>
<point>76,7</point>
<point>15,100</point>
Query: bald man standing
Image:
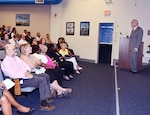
<point>134,45</point>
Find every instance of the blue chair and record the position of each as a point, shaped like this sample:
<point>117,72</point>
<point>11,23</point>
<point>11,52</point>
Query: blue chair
<point>2,55</point>
<point>1,79</point>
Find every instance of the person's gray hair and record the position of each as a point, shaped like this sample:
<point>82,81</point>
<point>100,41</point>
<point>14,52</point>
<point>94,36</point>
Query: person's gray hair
<point>135,20</point>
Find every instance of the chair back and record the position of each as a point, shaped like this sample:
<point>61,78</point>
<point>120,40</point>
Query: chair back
<point>1,76</point>
<point>1,79</point>
<point>2,54</point>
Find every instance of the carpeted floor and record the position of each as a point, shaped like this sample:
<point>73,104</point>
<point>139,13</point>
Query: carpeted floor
<point>94,93</point>
<point>134,94</point>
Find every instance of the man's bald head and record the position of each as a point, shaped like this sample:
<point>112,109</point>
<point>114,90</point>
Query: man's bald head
<point>10,50</point>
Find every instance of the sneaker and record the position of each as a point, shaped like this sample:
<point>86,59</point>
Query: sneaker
<point>66,78</point>
<point>71,76</point>
<point>47,108</point>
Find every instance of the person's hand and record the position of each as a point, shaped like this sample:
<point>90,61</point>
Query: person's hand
<point>51,67</point>
<point>38,61</point>
<point>135,50</point>
<point>2,85</point>
<point>28,74</point>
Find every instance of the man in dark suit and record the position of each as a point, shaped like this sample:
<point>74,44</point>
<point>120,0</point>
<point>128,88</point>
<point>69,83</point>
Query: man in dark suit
<point>134,45</point>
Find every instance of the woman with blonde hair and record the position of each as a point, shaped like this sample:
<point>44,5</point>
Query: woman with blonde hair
<point>35,62</point>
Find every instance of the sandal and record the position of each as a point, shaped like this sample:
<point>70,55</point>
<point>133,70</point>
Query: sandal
<point>77,72</point>
<point>68,90</point>
<point>66,78</point>
<point>71,76</point>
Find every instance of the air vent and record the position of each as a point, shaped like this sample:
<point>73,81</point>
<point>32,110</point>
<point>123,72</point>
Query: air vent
<point>39,1</point>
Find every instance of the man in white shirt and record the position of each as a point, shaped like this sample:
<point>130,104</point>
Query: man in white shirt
<point>22,40</point>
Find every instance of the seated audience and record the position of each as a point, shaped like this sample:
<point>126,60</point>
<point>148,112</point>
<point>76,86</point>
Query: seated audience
<point>38,36</point>
<point>51,69</point>
<point>12,33</point>
<point>44,49</point>
<point>1,33</point>
<point>4,41</point>
<point>34,41</point>
<point>66,72</point>
<point>3,29</point>
<point>43,41</point>
<point>34,62</point>
<point>8,30</point>
<point>14,67</point>
<point>7,101</point>
<point>58,43</point>
<point>28,37</point>
<point>66,54</point>
<point>25,32</point>
<point>68,66</point>
<point>62,40</point>
<point>22,40</point>
<point>15,41</point>
<point>48,39</point>
<point>47,63</point>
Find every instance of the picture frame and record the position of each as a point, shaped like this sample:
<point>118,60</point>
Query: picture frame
<point>22,19</point>
<point>84,28</point>
<point>70,26</point>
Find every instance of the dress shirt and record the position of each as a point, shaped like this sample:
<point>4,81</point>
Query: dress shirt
<point>21,42</point>
<point>15,43</point>
<point>14,67</point>
<point>135,28</point>
<point>41,57</point>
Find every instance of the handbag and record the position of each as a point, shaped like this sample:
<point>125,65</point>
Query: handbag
<point>67,57</point>
<point>39,70</point>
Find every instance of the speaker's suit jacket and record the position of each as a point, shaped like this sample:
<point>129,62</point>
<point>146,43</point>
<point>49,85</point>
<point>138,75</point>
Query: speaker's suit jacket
<point>135,38</point>
<point>135,42</point>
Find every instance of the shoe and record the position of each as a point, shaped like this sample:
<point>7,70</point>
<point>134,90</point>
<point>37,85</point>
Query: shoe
<point>26,113</point>
<point>133,72</point>
<point>49,100</point>
<point>66,78</point>
<point>71,76</point>
<point>77,72</point>
<point>68,90</point>
<point>61,95</point>
<point>47,108</point>
<point>80,68</point>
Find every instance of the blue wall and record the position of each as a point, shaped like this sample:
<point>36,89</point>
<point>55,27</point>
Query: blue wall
<point>28,1</point>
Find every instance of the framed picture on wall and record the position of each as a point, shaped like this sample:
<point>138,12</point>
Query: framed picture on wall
<point>84,28</point>
<point>22,19</point>
<point>70,28</point>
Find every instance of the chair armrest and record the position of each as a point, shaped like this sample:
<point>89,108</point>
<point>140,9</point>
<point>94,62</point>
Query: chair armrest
<point>17,88</point>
